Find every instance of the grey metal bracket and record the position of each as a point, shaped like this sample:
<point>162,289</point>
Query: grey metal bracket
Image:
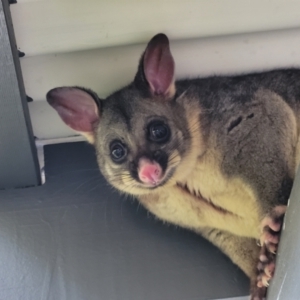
<point>18,155</point>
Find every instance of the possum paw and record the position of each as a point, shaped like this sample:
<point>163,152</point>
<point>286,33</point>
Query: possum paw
<point>258,293</point>
<point>266,267</point>
<point>270,228</point>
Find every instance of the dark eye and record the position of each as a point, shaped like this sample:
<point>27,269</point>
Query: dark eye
<point>158,132</point>
<point>118,152</point>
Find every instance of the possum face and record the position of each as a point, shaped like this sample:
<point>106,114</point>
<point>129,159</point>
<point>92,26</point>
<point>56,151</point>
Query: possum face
<point>140,142</point>
<point>141,133</point>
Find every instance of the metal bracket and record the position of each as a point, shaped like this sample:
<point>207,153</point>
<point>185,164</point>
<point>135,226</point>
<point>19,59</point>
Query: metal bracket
<point>18,156</point>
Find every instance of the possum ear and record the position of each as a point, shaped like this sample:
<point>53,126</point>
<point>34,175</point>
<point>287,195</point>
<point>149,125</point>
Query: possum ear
<point>158,67</point>
<point>77,107</point>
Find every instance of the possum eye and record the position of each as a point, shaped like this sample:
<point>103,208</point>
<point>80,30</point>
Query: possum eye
<point>158,132</point>
<point>118,152</point>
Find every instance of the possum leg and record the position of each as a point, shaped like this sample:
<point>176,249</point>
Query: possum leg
<point>269,239</point>
<point>242,251</point>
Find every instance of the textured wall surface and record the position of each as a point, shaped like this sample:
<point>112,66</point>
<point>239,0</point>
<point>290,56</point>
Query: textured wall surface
<point>66,25</point>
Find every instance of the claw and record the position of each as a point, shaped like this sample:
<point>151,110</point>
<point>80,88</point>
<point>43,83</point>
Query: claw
<point>265,280</point>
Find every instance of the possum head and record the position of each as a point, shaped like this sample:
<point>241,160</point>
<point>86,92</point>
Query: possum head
<point>141,134</point>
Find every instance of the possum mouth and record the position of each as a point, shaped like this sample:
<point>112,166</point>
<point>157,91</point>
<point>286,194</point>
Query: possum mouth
<point>201,198</point>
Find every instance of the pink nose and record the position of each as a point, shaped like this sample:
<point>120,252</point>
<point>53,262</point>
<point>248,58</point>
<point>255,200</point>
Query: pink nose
<point>149,172</point>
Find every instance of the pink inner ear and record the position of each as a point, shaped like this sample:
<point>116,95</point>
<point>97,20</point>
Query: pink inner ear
<point>76,107</point>
<point>159,65</point>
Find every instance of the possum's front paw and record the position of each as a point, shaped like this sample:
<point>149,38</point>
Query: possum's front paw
<point>258,293</point>
<point>266,267</point>
<point>270,228</point>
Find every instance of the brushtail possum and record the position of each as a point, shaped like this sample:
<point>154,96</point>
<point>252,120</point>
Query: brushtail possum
<point>215,155</point>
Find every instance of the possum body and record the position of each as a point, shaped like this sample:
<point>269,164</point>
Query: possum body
<point>215,155</point>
